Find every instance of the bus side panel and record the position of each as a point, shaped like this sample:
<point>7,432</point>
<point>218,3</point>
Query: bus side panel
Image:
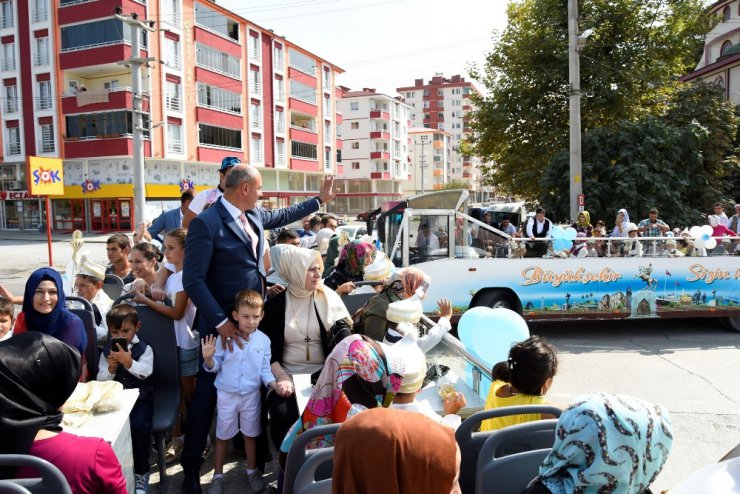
<point>592,287</point>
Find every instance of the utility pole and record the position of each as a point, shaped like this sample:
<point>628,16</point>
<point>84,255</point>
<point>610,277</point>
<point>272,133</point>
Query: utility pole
<point>574,77</point>
<point>422,165</point>
<point>135,62</point>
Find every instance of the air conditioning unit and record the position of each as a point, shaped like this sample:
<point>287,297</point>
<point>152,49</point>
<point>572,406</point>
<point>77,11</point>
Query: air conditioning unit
<point>14,185</point>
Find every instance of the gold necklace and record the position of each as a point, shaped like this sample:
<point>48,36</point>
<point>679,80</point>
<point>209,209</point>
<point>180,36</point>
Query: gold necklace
<point>294,321</point>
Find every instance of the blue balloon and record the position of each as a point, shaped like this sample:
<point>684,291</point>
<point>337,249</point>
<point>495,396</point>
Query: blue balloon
<point>489,334</point>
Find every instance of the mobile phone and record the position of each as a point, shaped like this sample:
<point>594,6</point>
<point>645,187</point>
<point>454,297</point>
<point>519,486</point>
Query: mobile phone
<point>121,342</point>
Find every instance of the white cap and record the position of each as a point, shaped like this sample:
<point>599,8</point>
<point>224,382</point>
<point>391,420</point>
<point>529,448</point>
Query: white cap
<point>631,227</point>
<point>415,367</point>
<point>88,267</point>
<point>713,220</point>
<point>409,310</point>
<point>380,269</point>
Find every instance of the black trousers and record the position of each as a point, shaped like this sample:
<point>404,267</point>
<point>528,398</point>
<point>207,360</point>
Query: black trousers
<point>140,419</point>
<point>283,414</point>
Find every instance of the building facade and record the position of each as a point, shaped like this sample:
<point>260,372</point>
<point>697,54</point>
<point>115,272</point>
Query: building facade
<point>443,103</point>
<point>219,85</point>
<point>430,161</point>
<point>375,155</point>
<point>720,62</point>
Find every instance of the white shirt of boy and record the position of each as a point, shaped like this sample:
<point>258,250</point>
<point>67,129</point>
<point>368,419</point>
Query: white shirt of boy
<point>429,340</point>
<point>140,369</point>
<point>452,420</point>
<point>241,370</point>
<point>7,335</point>
<point>103,302</point>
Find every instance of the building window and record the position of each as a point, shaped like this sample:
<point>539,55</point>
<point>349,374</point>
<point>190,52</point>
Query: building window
<point>256,115</point>
<point>327,106</point>
<point>354,125</point>
<point>171,12</point>
<point>93,34</point>
<point>278,58</point>
<point>172,53</point>
<point>456,102</point>
<point>40,10</point>
<point>725,46</point>
<point>302,62</point>
<point>219,136</point>
<point>219,99</point>
<point>302,92</point>
<point>355,145</point>
<point>254,47</point>
<point>41,57</point>
<point>327,157</point>
<point>255,81</point>
<point>215,21</point>
<point>279,90</point>
<point>44,101</point>
<point>255,150</point>
<point>354,106</point>
<point>280,153</point>
<point>173,99</point>
<point>726,14</point>
<point>13,143</point>
<point>426,104</point>
<point>217,61</point>
<point>8,61</point>
<point>327,79</point>
<point>174,138</point>
<point>327,132</point>
<point>303,150</point>
<point>303,122</point>
<point>47,138</point>
<point>355,165</point>
<point>6,14</point>
<point>102,125</point>
<point>111,85</point>
<point>410,94</point>
<point>280,120</point>
<point>11,99</point>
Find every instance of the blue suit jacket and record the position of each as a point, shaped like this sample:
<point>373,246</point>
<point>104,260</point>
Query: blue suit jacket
<point>168,220</point>
<point>219,259</point>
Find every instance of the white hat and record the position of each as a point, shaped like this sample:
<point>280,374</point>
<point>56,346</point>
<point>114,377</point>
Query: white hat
<point>409,310</point>
<point>631,227</point>
<point>415,366</point>
<point>713,220</point>
<point>88,267</point>
<point>380,269</point>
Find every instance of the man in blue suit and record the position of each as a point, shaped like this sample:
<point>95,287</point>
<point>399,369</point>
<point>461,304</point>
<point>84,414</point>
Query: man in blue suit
<point>169,220</point>
<point>223,256</point>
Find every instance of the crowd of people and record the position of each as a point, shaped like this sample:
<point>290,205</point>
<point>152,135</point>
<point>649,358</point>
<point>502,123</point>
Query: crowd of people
<point>245,326</point>
<point>624,239</point>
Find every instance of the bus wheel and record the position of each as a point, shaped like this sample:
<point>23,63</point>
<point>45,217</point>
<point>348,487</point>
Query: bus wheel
<point>733,323</point>
<point>498,299</point>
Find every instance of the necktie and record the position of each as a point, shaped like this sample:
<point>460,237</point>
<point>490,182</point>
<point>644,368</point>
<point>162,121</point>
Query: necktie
<point>250,233</point>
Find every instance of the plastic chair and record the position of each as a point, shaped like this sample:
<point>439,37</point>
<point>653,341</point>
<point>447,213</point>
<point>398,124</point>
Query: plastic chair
<point>158,332</point>
<point>471,442</point>
<point>84,310</point>
<point>299,455</point>
<point>113,286</point>
<point>354,302</point>
<point>51,481</point>
<point>511,457</point>
<point>306,483</point>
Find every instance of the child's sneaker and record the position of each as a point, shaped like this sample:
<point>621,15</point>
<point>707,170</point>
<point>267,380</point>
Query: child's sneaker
<point>216,486</point>
<point>141,483</point>
<point>256,482</point>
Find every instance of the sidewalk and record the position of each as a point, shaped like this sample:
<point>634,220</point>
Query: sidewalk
<point>34,236</point>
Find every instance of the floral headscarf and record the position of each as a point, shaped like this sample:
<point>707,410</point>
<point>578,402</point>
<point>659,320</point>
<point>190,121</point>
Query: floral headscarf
<point>403,283</point>
<point>359,371</point>
<point>354,257</point>
<point>607,443</point>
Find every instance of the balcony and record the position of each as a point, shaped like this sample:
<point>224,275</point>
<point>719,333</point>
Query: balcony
<point>438,186</point>
<point>118,98</point>
<point>113,145</point>
<point>380,134</point>
<point>380,155</point>
<point>380,175</point>
<point>173,104</point>
<point>467,174</point>
<point>13,148</point>
<point>380,114</point>
<point>7,65</point>
<point>304,134</point>
<point>44,103</point>
<point>438,172</point>
<point>303,106</point>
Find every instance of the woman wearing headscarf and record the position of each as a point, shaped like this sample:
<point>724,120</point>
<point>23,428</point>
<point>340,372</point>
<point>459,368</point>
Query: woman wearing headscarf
<point>299,322</point>
<point>583,224</point>
<point>606,443</point>
<point>353,259</point>
<point>45,311</point>
<point>276,252</point>
<point>620,224</point>
<point>37,375</point>
<point>400,286</point>
<point>394,452</point>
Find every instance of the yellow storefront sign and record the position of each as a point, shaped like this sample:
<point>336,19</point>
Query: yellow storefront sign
<point>45,176</point>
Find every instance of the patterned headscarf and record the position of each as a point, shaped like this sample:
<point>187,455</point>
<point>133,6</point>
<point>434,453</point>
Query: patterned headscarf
<point>607,443</point>
<point>358,371</point>
<point>404,283</point>
<point>354,257</point>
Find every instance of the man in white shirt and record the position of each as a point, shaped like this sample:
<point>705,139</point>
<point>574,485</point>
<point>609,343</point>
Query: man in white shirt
<point>537,227</point>
<point>209,196</point>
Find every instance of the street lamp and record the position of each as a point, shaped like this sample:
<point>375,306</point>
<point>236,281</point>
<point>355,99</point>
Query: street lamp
<point>575,43</point>
<point>424,139</point>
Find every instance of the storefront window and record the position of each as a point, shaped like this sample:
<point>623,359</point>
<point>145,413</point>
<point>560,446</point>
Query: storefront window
<point>69,214</point>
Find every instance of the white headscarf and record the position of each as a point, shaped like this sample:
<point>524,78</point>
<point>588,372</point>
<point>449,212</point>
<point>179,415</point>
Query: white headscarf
<point>294,264</point>
<point>276,252</point>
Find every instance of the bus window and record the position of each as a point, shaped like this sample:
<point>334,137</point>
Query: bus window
<point>428,239</point>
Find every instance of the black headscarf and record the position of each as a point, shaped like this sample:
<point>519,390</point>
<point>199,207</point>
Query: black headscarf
<point>37,374</point>
<point>60,322</point>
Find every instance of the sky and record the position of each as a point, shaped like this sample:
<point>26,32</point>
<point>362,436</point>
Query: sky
<point>384,44</point>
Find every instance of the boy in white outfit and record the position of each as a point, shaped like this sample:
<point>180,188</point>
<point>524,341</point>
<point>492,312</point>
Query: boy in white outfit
<point>240,374</point>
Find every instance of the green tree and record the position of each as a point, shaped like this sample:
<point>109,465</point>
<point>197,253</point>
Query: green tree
<point>628,69</point>
<point>456,184</point>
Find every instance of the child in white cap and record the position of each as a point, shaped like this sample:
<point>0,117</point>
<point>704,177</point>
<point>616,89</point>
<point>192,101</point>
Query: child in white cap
<point>89,285</point>
<point>407,313</point>
<point>379,270</point>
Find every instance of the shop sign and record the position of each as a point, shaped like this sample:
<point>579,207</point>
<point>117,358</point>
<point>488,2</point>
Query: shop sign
<point>45,176</point>
<point>90,186</point>
<point>186,184</point>
<point>17,195</point>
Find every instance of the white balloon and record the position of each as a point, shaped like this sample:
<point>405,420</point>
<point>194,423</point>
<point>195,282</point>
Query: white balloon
<point>695,231</point>
<point>707,230</point>
<point>699,243</point>
<point>710,244</point>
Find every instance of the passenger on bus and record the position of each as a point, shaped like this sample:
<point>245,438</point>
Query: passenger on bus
<point>523,379</point>
<point>671,249</point>
<point>632,247</point>
<point>734,225</point>
<point>403,319</point>
<point>583,225</point>
<point>620,224</point>
<point>350,267</point>
<point>538,227</point>
<point>606,443</point>
<point>426,240</point>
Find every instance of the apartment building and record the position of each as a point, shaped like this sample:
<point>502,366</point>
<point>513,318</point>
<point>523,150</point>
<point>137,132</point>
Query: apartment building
<point>443,103</point>
<point>375,156</point>
<point>218,85</point>
<point>720,62</point>
<point>430,161</point>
